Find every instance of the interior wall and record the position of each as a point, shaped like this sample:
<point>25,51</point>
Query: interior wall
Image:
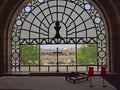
<point>7,8</point>
<point>115,28</point>
<point>110,8</point>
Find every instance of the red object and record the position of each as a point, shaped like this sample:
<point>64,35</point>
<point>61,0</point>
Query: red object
<point>103,71</point>
<point>91,71</point>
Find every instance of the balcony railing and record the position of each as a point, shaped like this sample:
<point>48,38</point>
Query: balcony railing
<point>53,68</point>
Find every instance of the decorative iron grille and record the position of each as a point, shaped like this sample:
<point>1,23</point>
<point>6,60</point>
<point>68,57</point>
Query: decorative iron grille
<point>58,22</point>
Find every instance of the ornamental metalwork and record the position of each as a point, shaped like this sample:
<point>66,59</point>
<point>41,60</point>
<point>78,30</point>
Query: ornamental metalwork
<point>58,22</point>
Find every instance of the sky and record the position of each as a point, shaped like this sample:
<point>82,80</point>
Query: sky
<point>58,46</point>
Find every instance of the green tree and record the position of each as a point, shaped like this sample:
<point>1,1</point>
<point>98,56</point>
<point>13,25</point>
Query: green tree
<point>86,54</point>
<point>29,54</point>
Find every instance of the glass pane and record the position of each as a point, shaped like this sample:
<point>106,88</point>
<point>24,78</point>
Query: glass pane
<point>87,54</point>
<point>29,57</point>
<point>66,54</point>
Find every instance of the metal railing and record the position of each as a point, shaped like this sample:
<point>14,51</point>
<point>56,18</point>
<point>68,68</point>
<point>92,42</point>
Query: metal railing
<point>53,68</point>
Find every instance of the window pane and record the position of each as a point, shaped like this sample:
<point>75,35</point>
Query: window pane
<point>29,56</point>
<point>87,54</point>
<point>66,54</point>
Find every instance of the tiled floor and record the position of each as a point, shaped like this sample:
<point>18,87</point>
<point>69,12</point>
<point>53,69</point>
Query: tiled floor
<point>49,83</point>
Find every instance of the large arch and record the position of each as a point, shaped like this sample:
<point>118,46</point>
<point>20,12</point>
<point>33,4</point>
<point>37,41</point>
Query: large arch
<point>113,53</point>
<point>76,33</point>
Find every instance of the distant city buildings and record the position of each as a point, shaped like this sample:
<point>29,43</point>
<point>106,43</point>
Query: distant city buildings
<point>66,57</point>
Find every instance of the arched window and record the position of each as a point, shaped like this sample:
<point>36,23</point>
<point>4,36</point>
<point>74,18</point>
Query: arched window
<point>48,22</point>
